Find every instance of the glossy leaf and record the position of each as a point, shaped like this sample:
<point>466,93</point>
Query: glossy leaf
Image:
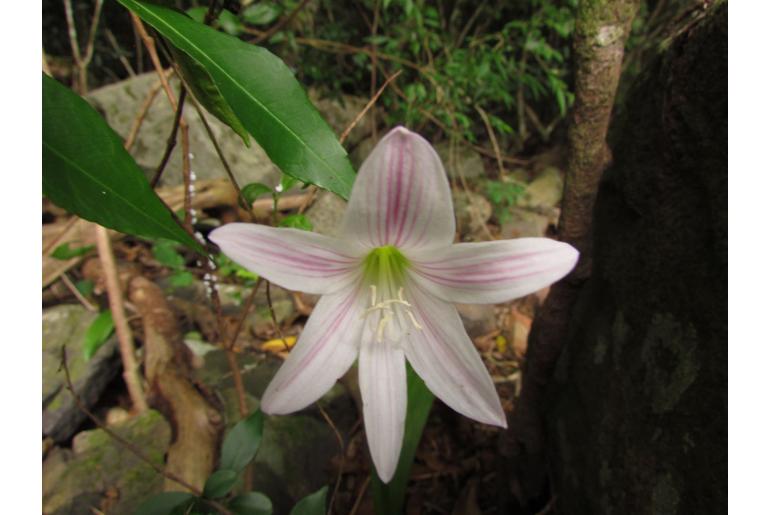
<point>297,221</point>
<point>252,503</point>
<point>219,483</point>
<point>262,13</point>
<point>255,190</point>
<point>389,498</point>
<point>206,92</point>
<point>165,503</point>
<point>97,333</point>
<point>87,171</point>
<point>264,94</point>
<point>313,504</point>
<point>241,443</point>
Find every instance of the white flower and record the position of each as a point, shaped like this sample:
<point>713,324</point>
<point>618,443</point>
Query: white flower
<point>387,285</point>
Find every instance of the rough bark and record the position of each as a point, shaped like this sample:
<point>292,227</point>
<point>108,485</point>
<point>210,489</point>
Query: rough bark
<point>601,30</point>
<point>637,422</point>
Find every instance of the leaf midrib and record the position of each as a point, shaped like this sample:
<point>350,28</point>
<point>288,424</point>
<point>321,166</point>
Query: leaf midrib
<point>130,204</point>
<point>245,91</point>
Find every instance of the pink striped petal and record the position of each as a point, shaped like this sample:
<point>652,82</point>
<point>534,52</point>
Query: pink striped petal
<point>382,379</point>
<point>293,259</point>
<point>445,358</point>
<point>492,272</point>
<point>401,196</point>
<point>325,350</point>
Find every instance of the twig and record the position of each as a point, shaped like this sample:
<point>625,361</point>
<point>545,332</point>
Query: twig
<point>368,106</point>
<point>123,331</point>
<point>281,23</point>
<point>149,43</point>
<point>82,60</point>
<point>140,116</point>
<point>493,138</point>
<point>186,168</point>
<point>128,444</point>
<point>243,409</point>
<point>73,289</point>
<point>121,56</point>
<point>272,316</point>
<point>337,47</point>
<point>171,141</point>
<point>360,495</point>
<point>337,434</point>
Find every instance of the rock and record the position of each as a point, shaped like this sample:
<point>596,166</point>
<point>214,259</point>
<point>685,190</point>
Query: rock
<point>99,473</point>
<point>362,151</point>
<point>340,112</point>
<point>478,319</point>
<point>119,104</point>
<point>471,214</point>
<point>326,213</point>
<point>524,223</point>
<point>639,413</point>
<point>64,326</point>
<point>545,191</point>
<point>468,163</point>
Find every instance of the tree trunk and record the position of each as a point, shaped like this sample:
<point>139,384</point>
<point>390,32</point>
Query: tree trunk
<point>637,418</point>
<point>601,30</point>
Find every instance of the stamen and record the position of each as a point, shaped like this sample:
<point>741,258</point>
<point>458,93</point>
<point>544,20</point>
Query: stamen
<point>414,320</point>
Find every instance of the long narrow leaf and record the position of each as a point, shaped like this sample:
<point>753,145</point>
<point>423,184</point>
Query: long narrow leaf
<point>87,171</point>
<point>389,498</point>
<point>264,94</point>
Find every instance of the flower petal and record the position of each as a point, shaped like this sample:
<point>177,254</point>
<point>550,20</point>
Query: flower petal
<point>445,358</point>
<point>401,196</point>
<point>382,379</point>
<point>293,259</point>
<point>325,350</point>
<point>492,272</point>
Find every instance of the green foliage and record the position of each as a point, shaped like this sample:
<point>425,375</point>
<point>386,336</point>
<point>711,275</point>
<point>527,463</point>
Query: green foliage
<point>64,252</point>
<point>255,190</point>
<point>313,504</point>
<point>262,13</point>
<point>252,503</point>
<point>97,333</point>
<point>503,196</point>
<point>166,503</point>
<point>264,94</point>
<point>87,171</point>
<point>298,221</point>
<point>241,443</point>
<point>166,253</point>
<point>219,483</point>
<point>389,498</point>
<point>228,267</point>
<point>85,287</point>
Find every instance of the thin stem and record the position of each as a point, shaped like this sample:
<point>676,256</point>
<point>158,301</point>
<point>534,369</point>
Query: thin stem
<point>73,289</point>
<point>272,316</point>
<point>171,141</point>
<point>368,106</point>
<point>337,434</point>
<point>141,115</point>
<point>493,138</point>
<point>122,329</point>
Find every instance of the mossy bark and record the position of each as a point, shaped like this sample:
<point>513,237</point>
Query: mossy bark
<point>638,415</point>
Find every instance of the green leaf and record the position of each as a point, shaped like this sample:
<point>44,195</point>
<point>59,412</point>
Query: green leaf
<point>297,221</point>
<point>164,251</point>
<point>230,23</point>
<point>262,13</point>
<point>87,171</point>
<point>181,279</point>
<point>264,94</point>
<point>219,483</point>
<point>64,252</point>
<point>254,190</point>
<point>97,333</point>
<point>165,503</point>
<point>313,504</point>
<point>241,443</point>
<point>252,503</point>
<point>389,498</point>
<point>206,92</point>
<point>85,287</point>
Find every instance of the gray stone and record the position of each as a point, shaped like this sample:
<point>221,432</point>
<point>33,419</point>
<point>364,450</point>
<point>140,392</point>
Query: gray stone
<point>326,213</point>
<point>478,319</point>
<point>120,102</point>
<point>472,212</point>
<point>545,191</point>
<point>524,223</point>
<point>100,473</point>
<point>362,151</point>
<point>340,112</point>
<point>468,162</point>
<point>64,326</point>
